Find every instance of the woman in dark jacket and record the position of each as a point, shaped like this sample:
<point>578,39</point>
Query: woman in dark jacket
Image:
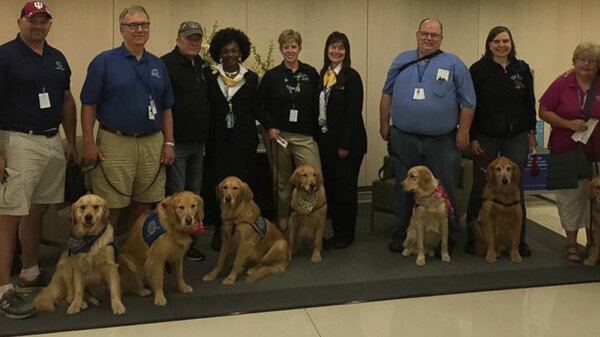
<point>231,148</point>
<point>504,122</point>
<point>342,137</point>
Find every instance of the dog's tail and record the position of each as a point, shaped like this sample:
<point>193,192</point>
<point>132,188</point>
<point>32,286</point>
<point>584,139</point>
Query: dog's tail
<point>60,286</point>
<point>128,272</point>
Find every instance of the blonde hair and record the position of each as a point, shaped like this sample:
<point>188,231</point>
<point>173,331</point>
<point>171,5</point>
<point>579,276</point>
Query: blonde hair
<point>289,35</point>
<point>586,47</point>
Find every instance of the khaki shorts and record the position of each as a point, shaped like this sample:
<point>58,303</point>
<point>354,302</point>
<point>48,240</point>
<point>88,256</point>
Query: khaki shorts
<point>36,166</point>
<point>130,164</point>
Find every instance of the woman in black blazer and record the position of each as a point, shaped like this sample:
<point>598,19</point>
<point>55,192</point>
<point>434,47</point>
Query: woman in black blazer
<point>342,138</point>
<point>231,148</point>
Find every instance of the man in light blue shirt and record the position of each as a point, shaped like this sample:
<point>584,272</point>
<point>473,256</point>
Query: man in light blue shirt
<point>426,101</point>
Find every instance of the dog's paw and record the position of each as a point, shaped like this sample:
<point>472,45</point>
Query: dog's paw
<point>160,300</point>
<point>143,292</point>
<point>277,269</point>
<point>93,301</point>
<point>316,257</point>
<point>406,252</point>
<point>250,271</point>
<point>420,261</point>
<point>84,305</point>
<point>209,277</point>
<point>491,258</point>
<point>446,258</point>
<point>186,289</point>
<point>228,281</point>
<point>590,261</point>
<point>118,308</point>
<point>75,307</point>
<point>516,258</point>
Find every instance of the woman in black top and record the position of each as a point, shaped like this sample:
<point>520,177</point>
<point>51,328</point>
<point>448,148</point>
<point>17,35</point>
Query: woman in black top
<point>289,94</point>
<point>342,137</point>
<point>231,149</point>
<point>504,122</point>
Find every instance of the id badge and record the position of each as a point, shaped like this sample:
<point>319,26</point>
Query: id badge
<point>44,100</point>
<point>293,115</point>
<point>419,94</point>
<point>282,142</point>
<point>230,120</point>
<point>151,109</point>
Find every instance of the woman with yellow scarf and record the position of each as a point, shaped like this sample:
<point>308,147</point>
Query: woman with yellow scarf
<point>342,137</point>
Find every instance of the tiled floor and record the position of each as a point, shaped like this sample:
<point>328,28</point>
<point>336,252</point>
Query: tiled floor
<point>560,311</point>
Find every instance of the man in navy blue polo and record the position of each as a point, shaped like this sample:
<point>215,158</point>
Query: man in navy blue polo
<point>35,98</point>
<point>128,91</point>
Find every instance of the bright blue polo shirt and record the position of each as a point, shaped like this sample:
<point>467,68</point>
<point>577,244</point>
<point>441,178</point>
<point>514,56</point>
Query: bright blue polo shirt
<point>120,86</point>
<point>24,74</point>
<point>447,85</point>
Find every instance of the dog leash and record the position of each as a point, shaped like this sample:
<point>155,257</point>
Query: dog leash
<point>486,158</point>
<point>98,163</point>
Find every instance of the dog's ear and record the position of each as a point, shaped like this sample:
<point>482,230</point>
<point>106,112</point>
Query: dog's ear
<point>516,173</point>
<point>425,179</point>
<point>74,208</point>
<point>105,211</point>
<point>490,174</point>
<point>219,191</point>
<point>294,178</point>
<point>247,192</point>
<point>164,209</point>
<point>319,178</point>
<point>200,210</point>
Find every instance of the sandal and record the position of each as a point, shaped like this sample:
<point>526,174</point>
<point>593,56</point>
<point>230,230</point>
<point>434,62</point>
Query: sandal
<point>572,253</point>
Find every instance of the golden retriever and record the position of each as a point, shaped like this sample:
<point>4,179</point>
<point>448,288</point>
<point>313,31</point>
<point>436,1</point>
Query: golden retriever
<point>307,221</point>
<point>144,260</point>
<point>90,261</point>
<point>264,252</point>
<point>499,226</point>
<point>594,194</point>
<point>429,222</point>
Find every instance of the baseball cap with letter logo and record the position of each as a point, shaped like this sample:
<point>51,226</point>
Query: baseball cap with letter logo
<point>33,7</point>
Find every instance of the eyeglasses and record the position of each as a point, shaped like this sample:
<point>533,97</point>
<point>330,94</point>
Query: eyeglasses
<point>582,60</point>
<point>434,36</point>
<point>133,26</point>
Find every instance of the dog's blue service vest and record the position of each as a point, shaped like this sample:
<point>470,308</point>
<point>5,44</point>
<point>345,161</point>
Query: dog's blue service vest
<point>260,226</point>
<point>152,228</point>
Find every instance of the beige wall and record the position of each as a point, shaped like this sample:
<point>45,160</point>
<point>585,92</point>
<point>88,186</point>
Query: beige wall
<point>545,32</point>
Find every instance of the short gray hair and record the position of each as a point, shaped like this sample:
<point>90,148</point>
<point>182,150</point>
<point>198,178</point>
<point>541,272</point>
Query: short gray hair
<point>586,47</point>
<point>131,10</point>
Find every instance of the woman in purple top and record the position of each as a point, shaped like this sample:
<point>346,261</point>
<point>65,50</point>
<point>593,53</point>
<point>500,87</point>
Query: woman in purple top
<point>562,107</point>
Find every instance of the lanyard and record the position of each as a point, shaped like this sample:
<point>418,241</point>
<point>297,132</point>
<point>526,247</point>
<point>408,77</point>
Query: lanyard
<point>581,103</point>
<point>144,81</point>
<point>291,89</point>
<point>421,74</point>
<point>40,70</point>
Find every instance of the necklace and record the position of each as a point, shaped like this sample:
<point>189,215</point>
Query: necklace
<point>231,74</point>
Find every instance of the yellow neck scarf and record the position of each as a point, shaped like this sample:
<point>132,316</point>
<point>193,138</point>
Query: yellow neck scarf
<point>329,79</point>
<point>231,82</point>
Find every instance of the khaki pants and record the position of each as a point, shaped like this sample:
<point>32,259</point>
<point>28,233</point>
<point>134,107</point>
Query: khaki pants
<point>301,149</point>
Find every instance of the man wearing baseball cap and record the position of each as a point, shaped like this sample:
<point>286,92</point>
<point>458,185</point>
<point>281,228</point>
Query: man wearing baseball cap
<point>191,115</point>
<point>35,98</point>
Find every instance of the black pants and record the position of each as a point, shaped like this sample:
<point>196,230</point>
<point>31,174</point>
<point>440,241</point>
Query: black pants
<point>341,179</point>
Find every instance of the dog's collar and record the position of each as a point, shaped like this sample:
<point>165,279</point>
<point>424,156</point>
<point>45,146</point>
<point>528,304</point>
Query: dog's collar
<point>440,192</point>
<point>152,228</point>
<point>307,205</point>
<point>82,244</point>
<point>510,204</point>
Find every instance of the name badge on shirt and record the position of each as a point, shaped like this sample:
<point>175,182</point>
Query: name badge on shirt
<point>442,75</point>
<point>293,115</point>
<point>419,94</point>
<point>44,100</point>
<point>151,109</point>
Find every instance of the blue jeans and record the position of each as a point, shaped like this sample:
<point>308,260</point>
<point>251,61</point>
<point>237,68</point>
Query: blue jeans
<point>440,155</point>
<point>514,148</point>
<point>186,171</point>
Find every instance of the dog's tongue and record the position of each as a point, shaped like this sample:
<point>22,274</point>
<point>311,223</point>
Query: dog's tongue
<point>198,227</point>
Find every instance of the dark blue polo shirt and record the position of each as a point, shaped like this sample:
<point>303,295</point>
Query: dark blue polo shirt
<point>120,85</point>
<point>24,74</point>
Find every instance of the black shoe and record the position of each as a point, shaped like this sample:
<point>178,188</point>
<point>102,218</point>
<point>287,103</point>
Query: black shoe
<point>341,245</point>
<point>193,254</point>
<point>215,243</point>
<point>395,246</point>
<point>327,243</point>
<point>22,286</point>
<point>470,247</point>
<point>524,249</point>
<point>14,306</point>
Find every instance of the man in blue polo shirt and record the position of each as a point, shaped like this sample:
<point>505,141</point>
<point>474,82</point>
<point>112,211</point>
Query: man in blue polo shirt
<point>426,101</point>
<point>128,90</point>
<point>35,98</point>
